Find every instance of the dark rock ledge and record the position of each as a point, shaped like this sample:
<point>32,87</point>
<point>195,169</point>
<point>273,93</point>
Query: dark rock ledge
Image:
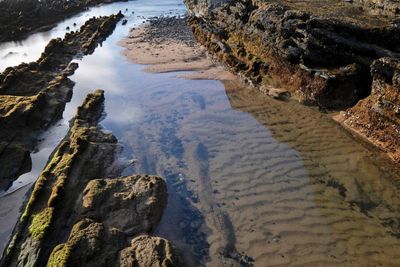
<point>331,54</point>
<point>75,219</point>
<point>33,96</point>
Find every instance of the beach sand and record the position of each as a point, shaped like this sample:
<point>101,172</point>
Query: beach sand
<point>171,47</point>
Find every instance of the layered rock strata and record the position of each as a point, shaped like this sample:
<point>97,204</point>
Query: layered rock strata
<point>18,18</point>
<point>322,61</point>
<point>377,117</point>
<point>73,218</point>
<point>33,96</point>
<point>319,52</point>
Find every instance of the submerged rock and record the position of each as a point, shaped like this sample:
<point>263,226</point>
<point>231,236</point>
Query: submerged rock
<point>33,96</point>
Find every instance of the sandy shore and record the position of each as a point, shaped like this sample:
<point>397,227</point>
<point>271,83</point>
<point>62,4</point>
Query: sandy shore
<point>168,45</point>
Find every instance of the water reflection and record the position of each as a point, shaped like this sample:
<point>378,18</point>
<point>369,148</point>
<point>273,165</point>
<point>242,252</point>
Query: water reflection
<point>100,70</point>
<point>251,180</point>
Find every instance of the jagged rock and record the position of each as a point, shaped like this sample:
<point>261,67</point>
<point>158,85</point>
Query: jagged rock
<point>321,57</point>
<point>33,96</point>
<point>97,217</point>
<point>18,18</point>
<point>377,117</point>
<point>149,251</point>
<point>132,204</point>
<point>89,244</point>
<point>83,155</point>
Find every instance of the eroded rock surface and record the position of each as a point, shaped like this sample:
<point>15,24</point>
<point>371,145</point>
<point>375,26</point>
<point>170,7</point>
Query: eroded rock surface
<point>323,61</point>
<point>33,96</point>
<point>89,244</point>
<point>82,156</point>
<point>133,204</point>
<point>149,251</point>
<point>97,217</point>
<point>377,117</point>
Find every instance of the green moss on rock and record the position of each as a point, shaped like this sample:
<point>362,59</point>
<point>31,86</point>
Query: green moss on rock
<point>60,255</point>
<point>41,223</point>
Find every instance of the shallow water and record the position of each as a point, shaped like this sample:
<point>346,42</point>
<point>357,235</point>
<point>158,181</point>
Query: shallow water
<point>252,181</point>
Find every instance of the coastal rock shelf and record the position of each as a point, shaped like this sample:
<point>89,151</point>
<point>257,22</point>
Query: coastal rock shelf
<point>33,96</point>
<point>320,58</point>
<point>96,217</point>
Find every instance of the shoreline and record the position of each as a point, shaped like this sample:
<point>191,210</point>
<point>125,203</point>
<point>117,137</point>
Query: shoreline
<point>167,45</point>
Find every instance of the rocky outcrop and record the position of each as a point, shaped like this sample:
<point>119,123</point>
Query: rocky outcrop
<point>319,52</point>
<point>377,117</point>
<point>322,61</point>
<point>33,96</point>
<point>18,18</point>
<point>72,217</point>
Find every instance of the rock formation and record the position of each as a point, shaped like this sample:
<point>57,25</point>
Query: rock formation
<point>72,218</point>
<point>377,117</point>
<point>149,251</point>
<point>18,18</point>
<point>33,96</point>
<point>320,52</point>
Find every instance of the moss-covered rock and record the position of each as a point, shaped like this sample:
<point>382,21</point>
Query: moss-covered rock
<point>89,244</point>
<point>33,96</point>
<point>40,223</point>
<point>133,204</point>
<point>149,251</point>
<point>84,154</point>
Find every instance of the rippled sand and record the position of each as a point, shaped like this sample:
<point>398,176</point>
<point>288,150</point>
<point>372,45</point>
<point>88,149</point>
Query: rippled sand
<point>260,182</point>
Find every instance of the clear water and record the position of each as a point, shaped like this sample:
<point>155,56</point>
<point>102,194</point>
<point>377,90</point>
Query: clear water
<point>252,181</point>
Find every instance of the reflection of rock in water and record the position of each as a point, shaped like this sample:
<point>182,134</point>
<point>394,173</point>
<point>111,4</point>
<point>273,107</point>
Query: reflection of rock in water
<point>351,197</point>
<point>284,185</point>
<point>161,151</point>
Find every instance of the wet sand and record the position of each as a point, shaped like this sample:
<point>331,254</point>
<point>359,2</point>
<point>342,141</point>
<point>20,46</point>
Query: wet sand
<point>171,49</point>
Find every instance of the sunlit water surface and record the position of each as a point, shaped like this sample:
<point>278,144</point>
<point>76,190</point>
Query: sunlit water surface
<point>252,181</point>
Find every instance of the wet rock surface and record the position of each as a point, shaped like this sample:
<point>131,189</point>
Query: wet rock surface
<point>149,251</point>
<point>133,204</point>
<point>295,47</point>
<point>325,62</point>
<point>74,218</point>
<point>33,96</point>
<point>21,17</point>
<point>377,117</point>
